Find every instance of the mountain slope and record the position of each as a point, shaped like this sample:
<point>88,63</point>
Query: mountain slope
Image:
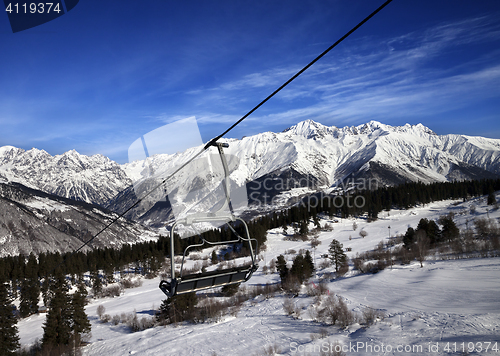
<point>34,221</point>
<point>445,301</point>
<point>92,179</point>
<point>312,156</point>
<point>414,152</point>
<point>309,156</point>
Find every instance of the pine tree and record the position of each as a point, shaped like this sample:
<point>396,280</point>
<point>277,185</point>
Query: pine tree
<point>30,289</point>
<point>297,269</point>
<point>304,229</point>
<point>14,286</point>
<point>96,283</point>
<point>316,221</point>
<point>282,268</point>
<point>285,227</point>
<point>337,254</point>
<point>46,292</point>
<point>3,270</point>
<point>179,308</point>
<point>230,289</point>
<point>409,238</point>
<point>431,229</point>
<point>9,339</point>
<point>109,275</point>
<point>214,258</point>
<point>57,326</point>
<point>450,230</point>
<point>308,268</point>
<point>24,303</point>
<point>492,200</point>
<point>302,267</point>
<point>81,323</point>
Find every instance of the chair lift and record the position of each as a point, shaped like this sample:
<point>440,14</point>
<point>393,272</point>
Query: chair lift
<point>198,281</point>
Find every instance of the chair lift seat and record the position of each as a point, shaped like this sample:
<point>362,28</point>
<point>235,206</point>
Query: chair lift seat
<point>200,281</point>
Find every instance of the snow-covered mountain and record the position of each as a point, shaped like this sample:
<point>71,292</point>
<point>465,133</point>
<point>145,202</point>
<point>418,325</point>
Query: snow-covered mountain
<point>92,179</point>
<point>308,155</point>
<point>330,154</point>
<point>34,221</point>
<point>390,154</point>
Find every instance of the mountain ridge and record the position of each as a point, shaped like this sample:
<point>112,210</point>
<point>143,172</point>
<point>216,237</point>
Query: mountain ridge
<point>325,155</point>
<point>32,221</point>
<point>92,179</point>
<point>317,157</point>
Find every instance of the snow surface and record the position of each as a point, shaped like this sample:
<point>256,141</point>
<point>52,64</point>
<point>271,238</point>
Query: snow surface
<point>445,302</point>
<point>45,204</point>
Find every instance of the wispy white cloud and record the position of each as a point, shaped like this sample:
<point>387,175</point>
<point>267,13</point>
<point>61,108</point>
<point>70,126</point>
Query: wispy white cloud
<point>259,80</point>
<point>404,76</point>
<point>208,118</point>
<point>168,119</point>
<point>399,99</point>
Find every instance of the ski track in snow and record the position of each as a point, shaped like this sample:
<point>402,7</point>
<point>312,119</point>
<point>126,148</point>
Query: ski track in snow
<point>444,302</point>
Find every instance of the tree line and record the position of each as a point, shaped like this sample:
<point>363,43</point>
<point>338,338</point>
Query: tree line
<point>147,256</point>
<point>65,326</point>
<point>404,196</point>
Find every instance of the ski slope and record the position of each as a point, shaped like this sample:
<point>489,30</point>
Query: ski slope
<point>435,310</point>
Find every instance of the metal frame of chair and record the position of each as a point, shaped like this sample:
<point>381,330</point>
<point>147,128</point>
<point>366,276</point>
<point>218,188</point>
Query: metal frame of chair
<point>182,284</point>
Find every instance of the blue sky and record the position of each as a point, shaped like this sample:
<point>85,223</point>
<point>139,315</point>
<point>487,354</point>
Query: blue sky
<point>108,72</point>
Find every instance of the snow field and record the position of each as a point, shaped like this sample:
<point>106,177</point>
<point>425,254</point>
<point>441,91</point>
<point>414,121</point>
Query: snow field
<point>428,311</point>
